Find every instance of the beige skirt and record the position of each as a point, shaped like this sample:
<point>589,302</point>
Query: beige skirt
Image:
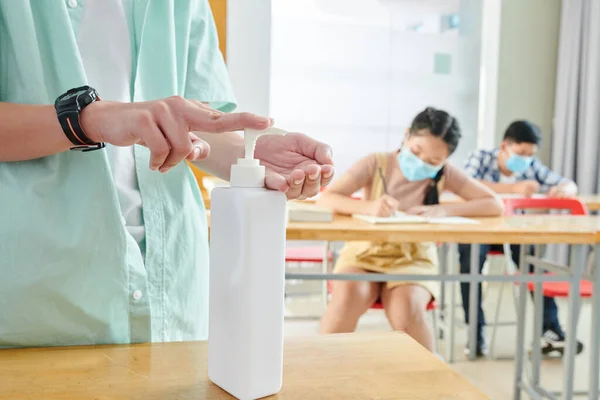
<point>392,258</point>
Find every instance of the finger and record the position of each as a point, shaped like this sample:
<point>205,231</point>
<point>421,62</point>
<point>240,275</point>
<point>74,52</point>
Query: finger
<point>215,122</point>
<point>295,181</point>
<point>179,139</point>
<point>312,183</point>
<point>275,181</point>
<point>205,106</point>
<point>327,172</point>
<point>159,148</point>
<point>201,149</point>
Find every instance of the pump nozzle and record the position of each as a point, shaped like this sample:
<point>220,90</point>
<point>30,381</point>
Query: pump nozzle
<point>248,172</point>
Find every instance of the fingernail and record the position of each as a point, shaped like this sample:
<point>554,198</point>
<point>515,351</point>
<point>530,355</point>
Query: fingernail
<point>154,167</point>
<point>196,152</point>
<point>165,170</point>
<point>298,181</point>
<point>329,154</point>
<point>328,174</point>
<point>313,176</point>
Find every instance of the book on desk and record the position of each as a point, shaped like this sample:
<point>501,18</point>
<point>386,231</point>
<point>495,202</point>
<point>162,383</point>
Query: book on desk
<point>300,211</point>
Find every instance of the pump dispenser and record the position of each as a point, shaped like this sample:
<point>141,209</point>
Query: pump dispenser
<point>247,280</point>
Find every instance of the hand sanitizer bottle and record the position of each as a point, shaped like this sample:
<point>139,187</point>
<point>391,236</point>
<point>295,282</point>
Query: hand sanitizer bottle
<point>247,280</point>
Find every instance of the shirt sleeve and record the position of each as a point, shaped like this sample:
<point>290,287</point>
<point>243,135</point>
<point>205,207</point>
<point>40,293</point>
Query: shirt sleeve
<point>207,79</point>
<point>473,165</point>
<point>545,176</point>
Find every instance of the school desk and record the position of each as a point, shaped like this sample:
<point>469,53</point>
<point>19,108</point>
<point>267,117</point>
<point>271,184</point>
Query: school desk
<point>525,230</point>
<point>388,365</point>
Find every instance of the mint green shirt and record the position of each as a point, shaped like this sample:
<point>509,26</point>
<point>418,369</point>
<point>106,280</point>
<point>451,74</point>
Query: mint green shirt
<point>70,273</point>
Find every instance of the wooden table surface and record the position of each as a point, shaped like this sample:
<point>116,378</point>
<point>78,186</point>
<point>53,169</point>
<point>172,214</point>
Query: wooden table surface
<point>523,229</point>
<point>388,365</point>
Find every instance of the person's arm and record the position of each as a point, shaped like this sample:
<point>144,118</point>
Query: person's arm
<point>28,132</point>
<point>502,188</point>
<point>225,149</point>
<point>338,196</point>
<point>552,183</point>
<point>480,201</point>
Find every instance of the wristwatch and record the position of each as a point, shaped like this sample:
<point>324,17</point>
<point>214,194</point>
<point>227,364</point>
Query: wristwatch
<point>68,107</point>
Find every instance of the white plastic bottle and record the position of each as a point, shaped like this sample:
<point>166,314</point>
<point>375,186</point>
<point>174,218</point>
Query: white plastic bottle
<point>247,280</point>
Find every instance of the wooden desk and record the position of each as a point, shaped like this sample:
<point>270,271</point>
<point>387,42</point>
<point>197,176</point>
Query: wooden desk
<point>534,229</point>
<point>387,365</point>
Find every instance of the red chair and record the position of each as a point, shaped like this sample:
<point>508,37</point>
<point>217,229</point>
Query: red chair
<point>431,308</point>
<point>549,289</point>
<point>576,207</point>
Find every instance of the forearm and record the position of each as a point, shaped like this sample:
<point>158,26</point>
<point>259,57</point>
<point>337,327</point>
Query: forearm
<point>28,132</point>
<point>486,207</point>
<point>569,188</point>
<point>505,188</point>
<point>225,149</point>
<point>342,204</point>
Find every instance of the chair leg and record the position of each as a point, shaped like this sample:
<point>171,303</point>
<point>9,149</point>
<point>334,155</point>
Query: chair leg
<point>496,321</point>
<point>436,331</point>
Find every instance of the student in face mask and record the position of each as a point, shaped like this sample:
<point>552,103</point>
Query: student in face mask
<point>513,169</point>
<point>409,180</point>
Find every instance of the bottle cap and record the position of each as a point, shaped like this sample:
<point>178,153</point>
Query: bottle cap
<point>248,172</point>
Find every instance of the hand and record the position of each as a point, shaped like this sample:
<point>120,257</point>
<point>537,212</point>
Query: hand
<point>526,188</point>
<point>558,192</point>
<point>385,206</point>
<point>295,164</point>
<point>435,211</point>
<point>164,126</point>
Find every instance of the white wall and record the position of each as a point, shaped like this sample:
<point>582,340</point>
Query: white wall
<point>527,66</point>
<point>354,73</point>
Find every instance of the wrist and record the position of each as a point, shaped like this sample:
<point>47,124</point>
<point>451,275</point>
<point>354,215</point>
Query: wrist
<point>88,118</point>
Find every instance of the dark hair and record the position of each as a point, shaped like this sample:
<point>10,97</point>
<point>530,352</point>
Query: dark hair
<point>523,132</point>
<point>441,125</point>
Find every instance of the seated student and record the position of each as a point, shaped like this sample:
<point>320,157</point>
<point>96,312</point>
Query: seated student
<point>513,168</point>
<point>405,180</point>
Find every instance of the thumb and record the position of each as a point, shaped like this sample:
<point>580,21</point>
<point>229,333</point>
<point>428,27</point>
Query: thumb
<point>200,149</point>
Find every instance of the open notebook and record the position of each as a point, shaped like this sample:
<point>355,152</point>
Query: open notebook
<point>402,218</point>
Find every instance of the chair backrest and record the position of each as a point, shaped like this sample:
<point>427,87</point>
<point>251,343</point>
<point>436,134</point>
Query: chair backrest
<point>574,205</point>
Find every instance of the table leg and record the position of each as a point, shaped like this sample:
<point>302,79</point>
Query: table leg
<point>443,271</point>
<point>594,392</point>
<point>451,317</point>
<point>325,270</point>
<point>577,268</point>
<point>473,296</point>
<point>522,308</point>
<point>538,307</point>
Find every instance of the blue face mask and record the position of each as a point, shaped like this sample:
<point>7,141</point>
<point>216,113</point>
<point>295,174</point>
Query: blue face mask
<point>518,164</point>
<point>415,169</point>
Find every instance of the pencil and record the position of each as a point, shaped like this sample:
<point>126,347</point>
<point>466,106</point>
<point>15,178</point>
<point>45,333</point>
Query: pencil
<point>385,191</point>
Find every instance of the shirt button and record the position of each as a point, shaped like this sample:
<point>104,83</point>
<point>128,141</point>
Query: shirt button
<point>137,295</point>
<point>72,3</point>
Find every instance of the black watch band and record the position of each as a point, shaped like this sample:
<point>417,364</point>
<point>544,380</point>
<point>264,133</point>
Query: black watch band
<point>68,107</point>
